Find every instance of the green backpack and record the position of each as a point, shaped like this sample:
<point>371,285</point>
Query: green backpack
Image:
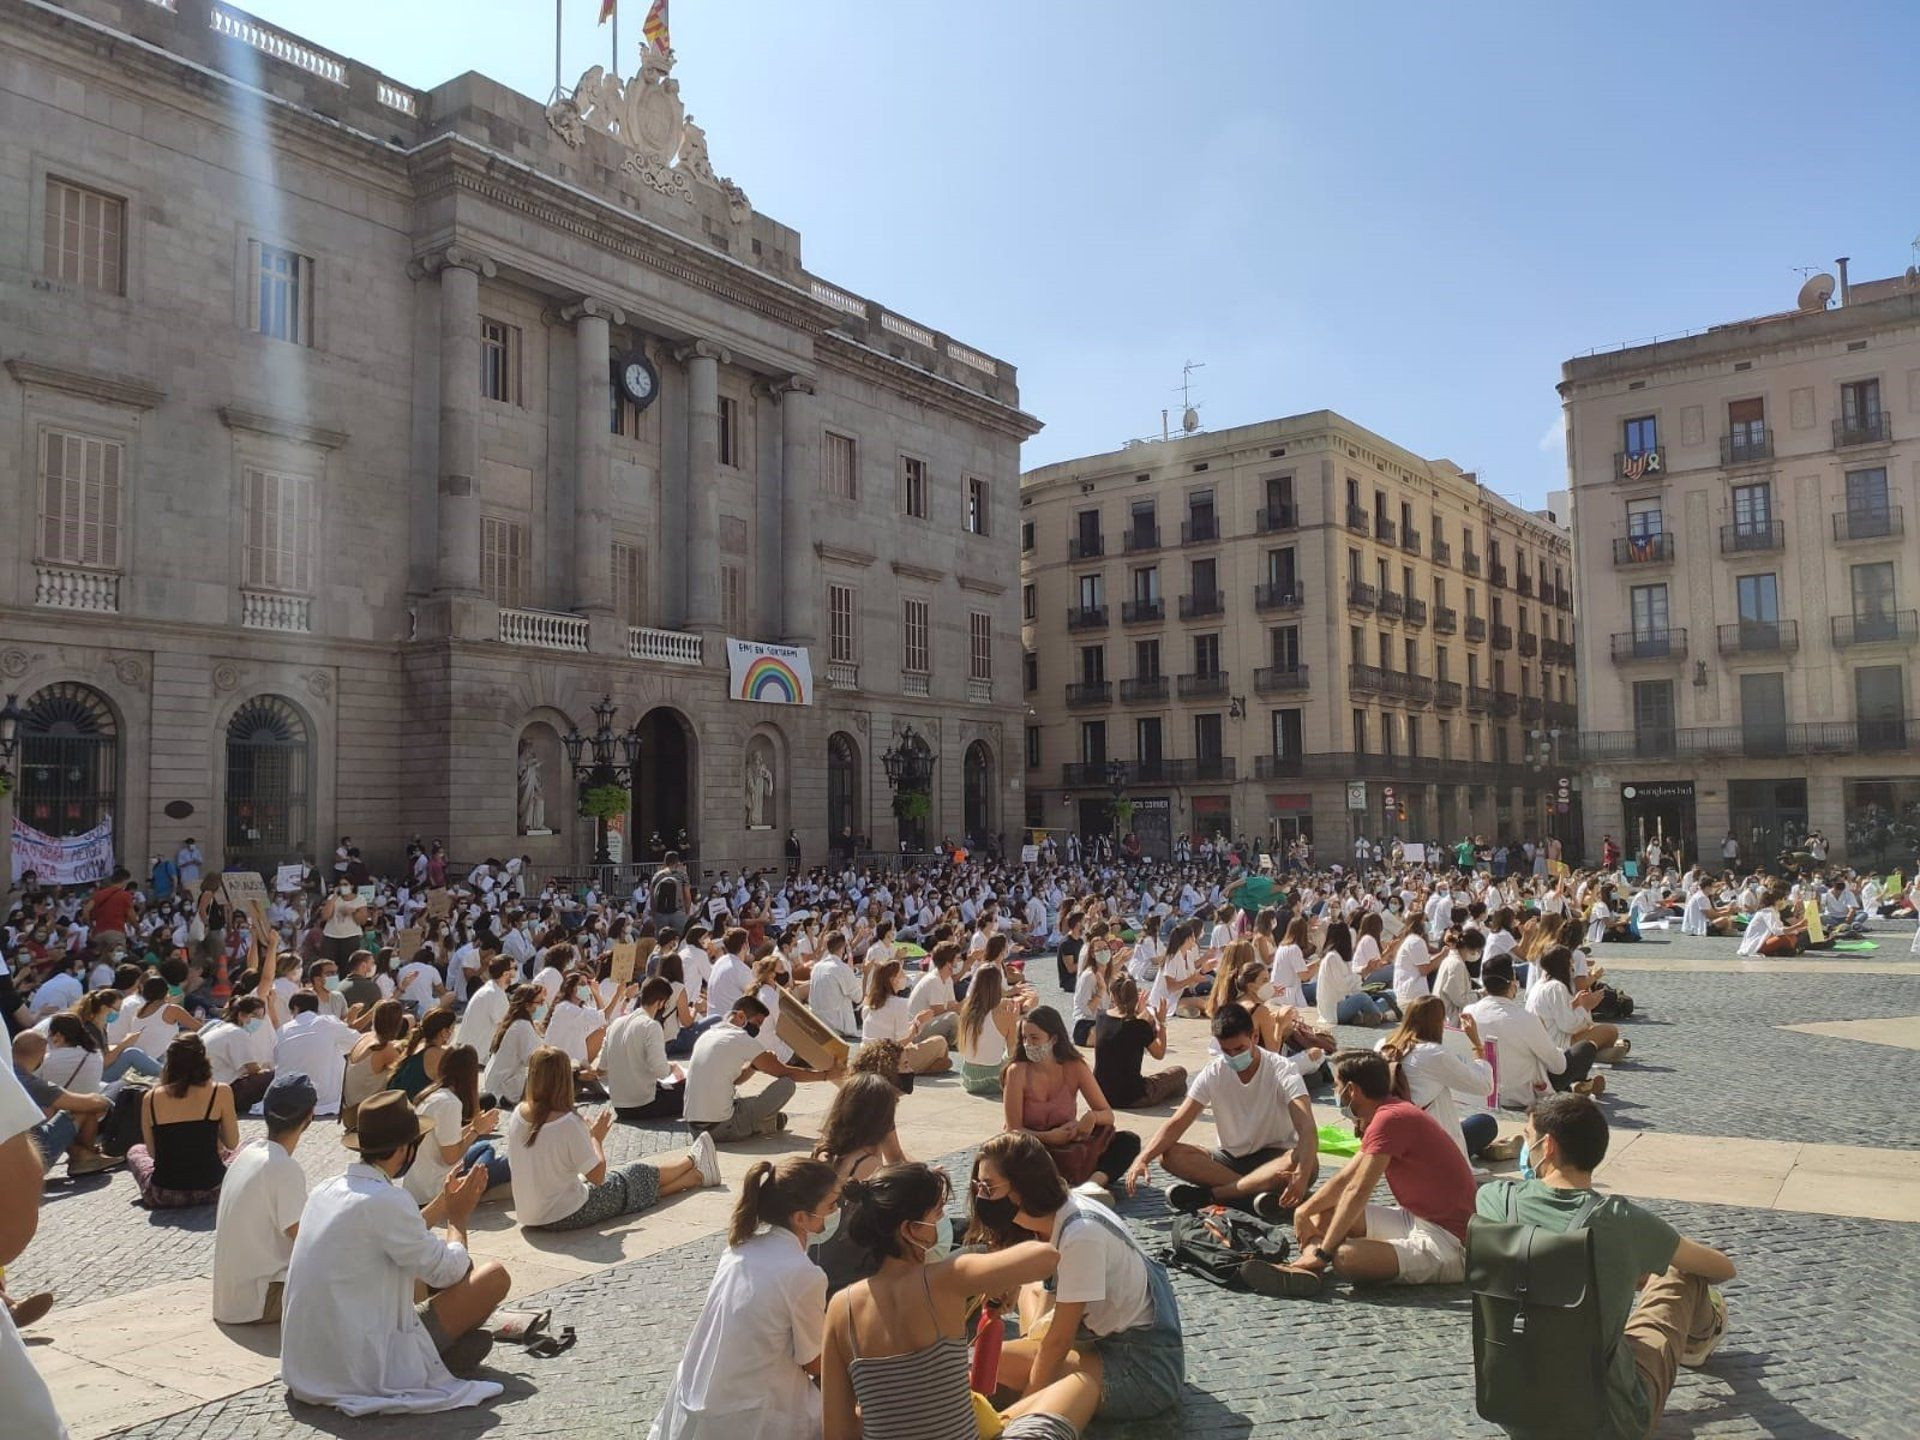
<point>1539,1359</point>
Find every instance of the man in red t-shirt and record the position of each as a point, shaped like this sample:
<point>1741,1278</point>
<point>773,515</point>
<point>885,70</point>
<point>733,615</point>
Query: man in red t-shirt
<point>1421,1240</point>
<point>109,910</point>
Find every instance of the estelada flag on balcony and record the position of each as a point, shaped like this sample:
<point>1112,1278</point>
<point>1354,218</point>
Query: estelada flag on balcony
<point>655,28</point>
<point>770,674</point>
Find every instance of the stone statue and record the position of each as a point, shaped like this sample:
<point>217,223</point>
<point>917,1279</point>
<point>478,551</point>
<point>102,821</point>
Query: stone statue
<point>759,789</point>
<point>693,152</point>
<point>533,799</point>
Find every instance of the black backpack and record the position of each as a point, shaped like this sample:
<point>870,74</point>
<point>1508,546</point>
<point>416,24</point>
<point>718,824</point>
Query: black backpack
<point>1539,1358</point>
<point>666,893</point>
<point>1215,1242</point>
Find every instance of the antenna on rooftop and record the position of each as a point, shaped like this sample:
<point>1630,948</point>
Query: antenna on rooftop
<point>1189,412</point>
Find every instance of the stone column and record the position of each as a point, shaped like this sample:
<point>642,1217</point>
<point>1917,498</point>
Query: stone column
<point>703,361</point>
<point>593,450</point>
<point>459,271</point>
<point>799,493</point>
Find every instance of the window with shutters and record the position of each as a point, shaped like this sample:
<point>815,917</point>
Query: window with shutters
<point>504,552</point>
<point>86,238</point>
<point>630,583</point>
<point>980,635</point>
<point>914,652</point>
<point>729,431</point>
<point>913,486</point>
<point>499,361</point>
<point>838,459</point>
<point>840,637</point>
<point>281,293</point>
<point>976,507</point>
<point>279,529</point>
<point>80,496</point>
<point>732,598</point>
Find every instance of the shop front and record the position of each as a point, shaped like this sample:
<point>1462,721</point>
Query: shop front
<point>1883,823</point>
<point>1662,810</point>
<point>1766,817</point>
<point>1152,825</point>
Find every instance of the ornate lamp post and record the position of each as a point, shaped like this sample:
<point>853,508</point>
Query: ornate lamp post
<point>614,758</point>
<point>909,767</point>
<point>1116,791</point>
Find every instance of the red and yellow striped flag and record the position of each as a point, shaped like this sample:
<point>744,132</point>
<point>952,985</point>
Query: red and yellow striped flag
<point>607,7</point>
<point>656,28</point>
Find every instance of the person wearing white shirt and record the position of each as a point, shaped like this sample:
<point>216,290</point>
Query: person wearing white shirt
<point>351,1334</point>
<point>1440,1081</point>
<point>259,1212</point>
<point>578,1023</point>
<point>419,982</point>
<point>1567,1014</point>
<point>933,991</point>
<point>1413,962</point>
<point>725,1055</point>
<point>1766,933</point>
<point>482,1015</point>
<point>1530,1065</point>
<point>518,946</point>
<point>512,1044</point>
<point>316,1046</point>
<point>28,1405</point>
<point>833,992</point>
<point>642,1082</point>
<point>57,993</point>
<point>764,1316</point>
<point>1268,1144</point>
<point>732,976</point>
<point>188,860</point>
<point>1452,980</point>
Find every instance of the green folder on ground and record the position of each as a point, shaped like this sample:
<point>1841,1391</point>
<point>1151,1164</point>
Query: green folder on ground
<point>1339,1140</point>
<point>1855,947</point>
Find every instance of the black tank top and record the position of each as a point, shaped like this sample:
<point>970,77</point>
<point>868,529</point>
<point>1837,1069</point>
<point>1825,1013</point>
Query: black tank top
<point>186,1153</point>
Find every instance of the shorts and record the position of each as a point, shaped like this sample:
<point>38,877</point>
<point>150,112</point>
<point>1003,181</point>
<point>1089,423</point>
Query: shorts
<point>1428,1253</point>
<point>1248,1163</point>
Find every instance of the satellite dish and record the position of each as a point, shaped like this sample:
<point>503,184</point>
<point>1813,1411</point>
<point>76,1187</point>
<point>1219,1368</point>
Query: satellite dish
<point>1818,290</point>
<point>1190,421</point>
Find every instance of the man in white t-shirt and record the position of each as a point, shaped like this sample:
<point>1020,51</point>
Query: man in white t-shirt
<point>696,966</point>
<point>487,1007</point>
<point>833,990</point>
<point>641,1081</point>
<point>28,1407</point>
<point>1269,1148</point>
<point>259,1214</point>
<point>731,975</point>
<point>723,1058</point>
<point>316,1046</point>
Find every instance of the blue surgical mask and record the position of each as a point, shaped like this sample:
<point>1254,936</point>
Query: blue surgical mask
<point>1242,1062</point>
<point>252,1027</point>
<point>334,983</point>
<point>1526,1162</point>
<point>828,1230</point>
<point>539,1013</point>
<point>942,1245</point>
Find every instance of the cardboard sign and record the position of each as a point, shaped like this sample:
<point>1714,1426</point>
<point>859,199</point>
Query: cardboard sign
<point>366,894</point>
<point>1029,854</point>
<point>1414,852</point>
<point>439,904</point>
<point>408,942</point>
<point>804,1033</point>
<point>289,879</point>
<point>247,893</point>
<point>625,956</point>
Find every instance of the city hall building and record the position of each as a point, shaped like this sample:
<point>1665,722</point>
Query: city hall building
<point>355,440</point>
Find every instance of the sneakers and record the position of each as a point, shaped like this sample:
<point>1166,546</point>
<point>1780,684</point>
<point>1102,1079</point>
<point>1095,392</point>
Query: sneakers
<point>1267,1206</point>
<point>1505,1148</point>
<point>1615,1052</point>
<point>1094,1190</point>
<point>1279,1282</point>
<point>1188,1197</point>
<point>1695,1352</point>
<point>92,1162</point>
<point>706,1159</point>
<point>1594,1085</point>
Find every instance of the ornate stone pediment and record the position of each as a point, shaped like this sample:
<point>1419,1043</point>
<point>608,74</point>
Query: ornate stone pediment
<point>666,150</point>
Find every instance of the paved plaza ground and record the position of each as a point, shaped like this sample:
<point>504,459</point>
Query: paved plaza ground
<point>1766,1110</point>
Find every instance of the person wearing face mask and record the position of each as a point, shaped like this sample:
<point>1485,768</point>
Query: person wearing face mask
<point>259,1213</point>
<point>726,1055</point>
<point>858,1136</point>
<point>745,1372</point>
<point>1676,1318</point>
<point>1268,1149</point>
<point>559,1171</point>
<point>342,923</point>
<point>579,1023</point>
<point>896,1364</point>
<point>641,1081</point>
<point>513,1042</point>
<point>240,1047</point>
<point>316,1045</point>
<point>1043,1089</point>
<point>352,1335</point>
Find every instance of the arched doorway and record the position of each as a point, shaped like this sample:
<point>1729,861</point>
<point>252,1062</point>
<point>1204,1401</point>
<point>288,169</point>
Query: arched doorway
<point>69,760</point>
<point>977,792</point>
<point>268,761</point>
<point>843,794</point>
<point>663,786</point>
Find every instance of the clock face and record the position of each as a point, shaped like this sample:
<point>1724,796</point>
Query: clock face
<point>637,380</point>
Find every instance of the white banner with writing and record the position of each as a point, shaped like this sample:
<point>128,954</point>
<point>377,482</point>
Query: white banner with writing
<point>63,860</point>
<point>771,674</point>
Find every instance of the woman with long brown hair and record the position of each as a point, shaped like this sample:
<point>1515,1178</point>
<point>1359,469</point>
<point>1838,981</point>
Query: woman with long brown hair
<point>461,1135</point>
<point>1044,1088</point>
<point>858,1136</point>
<point>989,1029</point>
<point>373,1058</point>
<point>560,1177</point>
<point>188,1128</point>
<point>419,1063</point>
<point>747,1366</point>
<point>515,1039</point>
<point>889,1017</point>
<point>1449,1087</point>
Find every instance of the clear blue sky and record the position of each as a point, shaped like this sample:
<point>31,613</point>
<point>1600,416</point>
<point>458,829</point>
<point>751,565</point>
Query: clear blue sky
<point>1410,213</point>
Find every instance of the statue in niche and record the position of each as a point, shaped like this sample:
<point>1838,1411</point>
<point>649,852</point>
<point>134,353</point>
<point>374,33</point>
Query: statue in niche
<point>533,798</point>
<point>759,789</point>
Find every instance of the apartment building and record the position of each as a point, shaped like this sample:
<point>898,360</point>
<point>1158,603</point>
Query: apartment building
<point>1290,628</point>
<point>1747,588</point>
<point>358,438</point>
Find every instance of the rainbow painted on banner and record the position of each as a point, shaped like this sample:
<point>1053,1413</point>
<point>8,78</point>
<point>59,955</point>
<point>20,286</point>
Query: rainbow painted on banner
<point>768,674</point>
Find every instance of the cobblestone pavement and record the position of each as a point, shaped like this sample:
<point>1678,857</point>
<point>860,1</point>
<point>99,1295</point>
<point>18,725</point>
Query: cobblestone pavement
<point>1708,1060</point>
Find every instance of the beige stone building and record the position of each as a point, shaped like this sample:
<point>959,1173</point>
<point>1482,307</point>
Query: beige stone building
<point>1747,585</point>
<point>1294,627</point>
<point>355,439</point>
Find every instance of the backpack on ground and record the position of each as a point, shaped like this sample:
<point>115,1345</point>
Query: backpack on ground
<point>665,896</point>
<point>1539,1358</point>
<point>120,1131</point>
<point>1215,1242</point>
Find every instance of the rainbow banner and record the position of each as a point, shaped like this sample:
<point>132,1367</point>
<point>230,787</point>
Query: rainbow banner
<point>771,674</point>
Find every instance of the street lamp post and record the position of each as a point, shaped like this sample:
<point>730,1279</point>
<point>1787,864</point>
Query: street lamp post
<point>614,759</point>
<point>1116,789</point>
<point>909,767</point>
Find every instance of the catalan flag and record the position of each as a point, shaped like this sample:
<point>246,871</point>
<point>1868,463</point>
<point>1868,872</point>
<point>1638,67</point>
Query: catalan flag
<point>656,28</point>
<point>607,10</point>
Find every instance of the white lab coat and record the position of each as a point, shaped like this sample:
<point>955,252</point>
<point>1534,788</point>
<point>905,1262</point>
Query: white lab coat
<point>350,1337</point>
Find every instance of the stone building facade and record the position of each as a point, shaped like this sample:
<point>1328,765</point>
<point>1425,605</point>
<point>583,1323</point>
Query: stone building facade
<point>1747,585</point>
<point>333,510</point>
<point>1294,627</point>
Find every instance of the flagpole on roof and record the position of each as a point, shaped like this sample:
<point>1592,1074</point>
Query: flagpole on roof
<point>556,49</point>
<point>616,39</point>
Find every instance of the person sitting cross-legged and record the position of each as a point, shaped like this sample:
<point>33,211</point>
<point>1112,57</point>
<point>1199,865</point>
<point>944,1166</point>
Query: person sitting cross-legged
<point>724,1057</point>
<point>1676,1318</point>
<point>1269,1147</point>
<point>260,1204</point>
<point>1421,1240</point>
